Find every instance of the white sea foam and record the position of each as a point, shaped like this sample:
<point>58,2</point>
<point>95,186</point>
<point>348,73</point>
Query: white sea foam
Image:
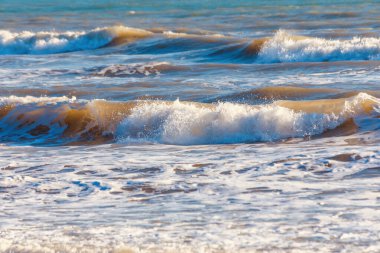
<point>284,47</point>
<point>31,99</point>
<point>242,198</point>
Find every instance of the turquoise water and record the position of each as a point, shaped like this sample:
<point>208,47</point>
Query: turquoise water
<point>250,18</point>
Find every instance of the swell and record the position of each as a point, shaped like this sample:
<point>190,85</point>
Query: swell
<point>63,121</point>
<point>207,47</point>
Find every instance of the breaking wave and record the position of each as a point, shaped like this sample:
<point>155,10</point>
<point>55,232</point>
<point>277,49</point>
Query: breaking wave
<point>63,120</point>
<point>284,47</point>
<point>54,42</point>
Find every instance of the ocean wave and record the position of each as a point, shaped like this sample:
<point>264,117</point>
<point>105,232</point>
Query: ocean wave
<point>285,47</point>
<point>282,47</point>
<point>38,121</point>
<point>191,123</point>
<point>54,42</point>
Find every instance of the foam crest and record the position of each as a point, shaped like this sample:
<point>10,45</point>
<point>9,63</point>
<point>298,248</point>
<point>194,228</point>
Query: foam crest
<point>189,123</point>
<point>27,42</point>
<point>284,47</point>
<point>31,99</point>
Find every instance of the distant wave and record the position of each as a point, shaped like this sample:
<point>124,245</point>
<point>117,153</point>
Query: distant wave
<point>282,47</point>
<point>54,42</point>
<point>61,120</point>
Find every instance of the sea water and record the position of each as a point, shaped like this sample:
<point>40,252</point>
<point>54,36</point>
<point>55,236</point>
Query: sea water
<point>189,126</point>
